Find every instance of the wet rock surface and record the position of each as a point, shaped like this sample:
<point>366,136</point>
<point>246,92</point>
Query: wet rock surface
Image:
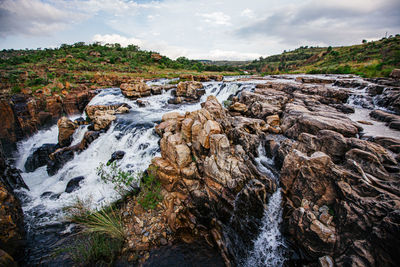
<point>12,232</point>
<point>73,184</point>
<point>206,174</point>
<point>341,193</point>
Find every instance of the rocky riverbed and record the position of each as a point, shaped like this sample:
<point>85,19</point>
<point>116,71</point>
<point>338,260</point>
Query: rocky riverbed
<point>328,144</point>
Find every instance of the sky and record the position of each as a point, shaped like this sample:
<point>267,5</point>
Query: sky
<point>198,29</point>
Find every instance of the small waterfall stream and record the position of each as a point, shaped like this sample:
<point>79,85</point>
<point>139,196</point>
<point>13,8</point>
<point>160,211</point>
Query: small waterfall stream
<point>269,247</point>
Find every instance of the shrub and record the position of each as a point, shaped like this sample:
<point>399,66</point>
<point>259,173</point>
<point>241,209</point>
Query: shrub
<point>122,180</point>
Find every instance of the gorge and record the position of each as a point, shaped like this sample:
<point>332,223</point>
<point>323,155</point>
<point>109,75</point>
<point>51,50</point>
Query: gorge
<point>284,170</point>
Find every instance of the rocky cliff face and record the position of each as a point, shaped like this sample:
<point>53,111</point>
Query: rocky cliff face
<point>210,181</point>
<point>23,115</point>
<point>12,233</point>
<point>341,193</point>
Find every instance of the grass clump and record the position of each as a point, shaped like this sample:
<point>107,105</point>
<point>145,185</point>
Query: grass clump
<point>150,190</point>
<point>93,250</point>
<point>101,237</point>
<point>106,221</point>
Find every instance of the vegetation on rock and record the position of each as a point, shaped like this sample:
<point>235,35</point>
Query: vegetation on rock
<point>369,59</point>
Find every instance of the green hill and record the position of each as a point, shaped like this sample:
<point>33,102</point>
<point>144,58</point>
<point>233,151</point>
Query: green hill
<point>369,59</point>
<point>35,69</point>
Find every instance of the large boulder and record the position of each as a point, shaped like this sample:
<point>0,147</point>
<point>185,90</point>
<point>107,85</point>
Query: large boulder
<point>395,74</point>
<point>39,157</point>
<point>135,90</point>
<point>103,115</point>
<point>66,129</point>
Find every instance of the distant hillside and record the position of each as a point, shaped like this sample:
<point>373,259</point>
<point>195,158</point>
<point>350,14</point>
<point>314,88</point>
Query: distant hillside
<point>31,70</point>
<point>370,59</point>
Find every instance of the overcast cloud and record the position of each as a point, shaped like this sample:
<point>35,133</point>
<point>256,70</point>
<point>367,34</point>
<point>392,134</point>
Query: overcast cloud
<point>206,29</point>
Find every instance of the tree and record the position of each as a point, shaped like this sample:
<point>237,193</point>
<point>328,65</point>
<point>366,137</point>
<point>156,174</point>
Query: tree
<point>364,41</point>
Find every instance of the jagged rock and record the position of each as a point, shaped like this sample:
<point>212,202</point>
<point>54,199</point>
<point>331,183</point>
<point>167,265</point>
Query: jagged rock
<point>75,101</point>
<point>103,115</point>
<point>39,157</point>
<point>73,184</point>
<point>58,158</point>
<point>238,107</point>
<point>12,233</point>
<point>135,90</point>
<point>6,260</point>
<point>188,91</point>
<point>188,77</point>
<point>198,160</point>
<point>117,155</point>
<point>395,74</point>
<point>66,129</point>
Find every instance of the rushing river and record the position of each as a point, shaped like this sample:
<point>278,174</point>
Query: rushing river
<point>134,134</point>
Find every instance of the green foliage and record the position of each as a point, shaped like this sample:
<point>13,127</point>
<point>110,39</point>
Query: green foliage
<point>105,221</point>
<point>150,190</point>
<point>92,250</point>
<point>15,89</point>
<point>110,173</point>
<point>370,59</point>
<point>227,103</point>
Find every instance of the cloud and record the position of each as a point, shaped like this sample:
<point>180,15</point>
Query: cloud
<point>116,38</point>
<point>247,13</point>
<point>206,29</point>
<point>174,51</point>
<point>31,17</point>
<point>217,18</point>
<point>328,22</point>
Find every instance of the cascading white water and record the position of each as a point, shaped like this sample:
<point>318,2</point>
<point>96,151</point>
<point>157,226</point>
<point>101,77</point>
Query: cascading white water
<point>132,133</point>
<point>269,247</point>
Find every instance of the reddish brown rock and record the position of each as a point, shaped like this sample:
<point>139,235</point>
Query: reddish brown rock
<point>66,129</point>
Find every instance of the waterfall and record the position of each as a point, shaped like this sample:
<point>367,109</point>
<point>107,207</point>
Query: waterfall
<point>132,132</point>
<point>269,247</point>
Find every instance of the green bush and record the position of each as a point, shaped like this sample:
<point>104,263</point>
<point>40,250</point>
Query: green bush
<point>110,173</point>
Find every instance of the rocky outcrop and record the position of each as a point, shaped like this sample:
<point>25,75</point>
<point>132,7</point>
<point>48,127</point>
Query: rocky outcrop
<point>341,193</point>
<point>102,116</point>
<point>23,115</point>
<point>395,74</point>
<point>12,233</point>
<point>392,120</point>
<point>76,100</point>
<point>66,129</point>
<point>209,181</point>
<point>39,157</point>
<point>135,90</point>
<point>189,91</point>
